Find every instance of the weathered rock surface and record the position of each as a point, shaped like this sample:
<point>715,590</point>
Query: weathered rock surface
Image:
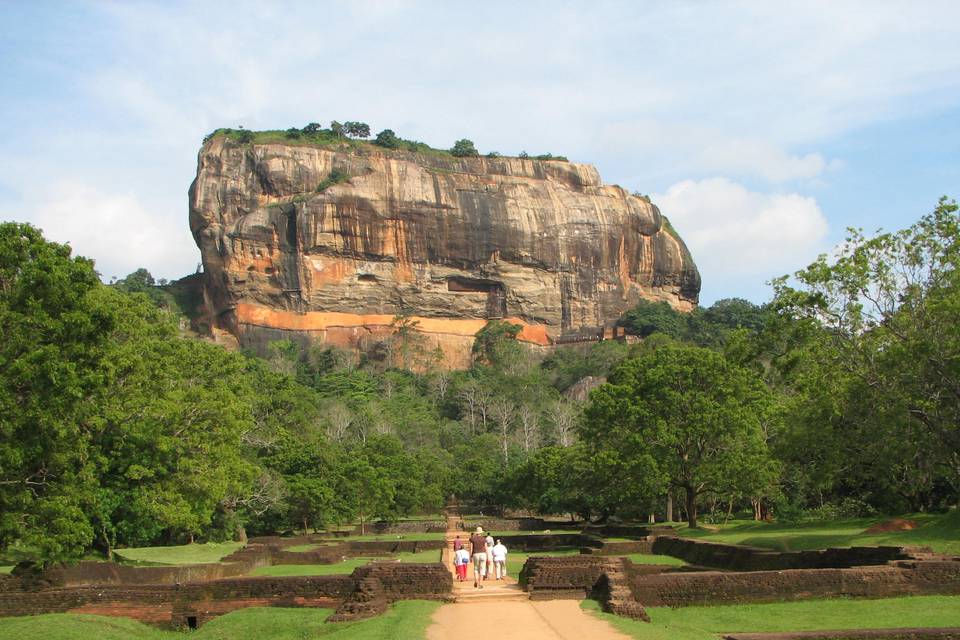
<point>449,242</point>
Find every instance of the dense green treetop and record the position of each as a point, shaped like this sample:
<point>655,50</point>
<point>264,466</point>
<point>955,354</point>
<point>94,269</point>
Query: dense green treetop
<point>701,421</point>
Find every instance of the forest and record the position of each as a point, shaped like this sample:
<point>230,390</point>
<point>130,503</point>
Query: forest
<point>840,396</point>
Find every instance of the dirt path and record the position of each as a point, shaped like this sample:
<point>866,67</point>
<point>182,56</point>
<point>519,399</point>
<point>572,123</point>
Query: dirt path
<point>502,610</point>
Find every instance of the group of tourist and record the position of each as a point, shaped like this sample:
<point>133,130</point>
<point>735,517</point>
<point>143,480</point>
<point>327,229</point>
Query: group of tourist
<point>489,557</point>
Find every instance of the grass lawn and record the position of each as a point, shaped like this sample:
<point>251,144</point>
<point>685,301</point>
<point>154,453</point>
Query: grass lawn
<point>647,558</point>
<point>6,568</point>
<point>404,621</point>
<point>705,623</point>
<point>346,566</point>
<point>300,548</point>
<point>394,537</point>
<point>940,532</point>
<point>183,554</point>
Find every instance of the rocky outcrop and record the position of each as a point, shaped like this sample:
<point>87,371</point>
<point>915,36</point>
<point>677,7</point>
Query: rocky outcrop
<point>447,243</point>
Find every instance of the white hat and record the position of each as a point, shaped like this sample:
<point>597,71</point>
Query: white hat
<point>479,529</point>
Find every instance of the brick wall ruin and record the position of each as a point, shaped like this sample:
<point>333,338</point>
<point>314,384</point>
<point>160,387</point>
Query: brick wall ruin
<point>175,605</point>
<point>733,557</point>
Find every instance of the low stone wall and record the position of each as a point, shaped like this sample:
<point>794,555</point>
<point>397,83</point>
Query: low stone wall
<point>545,541</point>
<point>158,604</point>
<point>741,558</point>
<point>604,548</point>
<point>507,524</point>
<point>420,526</point>
<point>192,604</point>
<point>945,633</point>
<point>711,587</point>
<point>547,578</point>
<point>629,530</point>
<point>269,552</point>
<point>96,573</point>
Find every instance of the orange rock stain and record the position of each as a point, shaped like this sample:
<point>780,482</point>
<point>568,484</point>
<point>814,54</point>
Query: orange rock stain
<point>325,320</point>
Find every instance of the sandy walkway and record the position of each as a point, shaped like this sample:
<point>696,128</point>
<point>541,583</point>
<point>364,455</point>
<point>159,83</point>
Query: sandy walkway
<point>501,610</point>
<point>530,620</point>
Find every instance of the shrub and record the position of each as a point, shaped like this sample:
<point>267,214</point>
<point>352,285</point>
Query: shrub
<point>293,132</point>
<point>357,129</point>
<point>245,136</point>
<point>336,176</point>
<point>387,138</point>
<point>311,129</point>
<point>463,148</point>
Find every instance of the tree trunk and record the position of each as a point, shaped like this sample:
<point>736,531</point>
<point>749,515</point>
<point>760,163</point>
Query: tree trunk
<point>669,507</point>
<point>651,519</point>
<point>691,507</point>
<point>241,534</point>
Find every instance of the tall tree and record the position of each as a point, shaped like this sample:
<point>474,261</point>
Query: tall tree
<point>699,418</point>
<point>883,312</point>
<point>52,358</point>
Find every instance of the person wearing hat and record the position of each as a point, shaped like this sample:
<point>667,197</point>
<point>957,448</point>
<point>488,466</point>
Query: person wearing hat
<point>478,544</point>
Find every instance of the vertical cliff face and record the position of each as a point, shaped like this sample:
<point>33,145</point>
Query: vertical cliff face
<point>447,242</point>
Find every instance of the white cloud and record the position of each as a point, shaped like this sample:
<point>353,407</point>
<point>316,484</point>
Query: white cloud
<point>734,233</point>
<point>116,230</point>
<point>122,93</point>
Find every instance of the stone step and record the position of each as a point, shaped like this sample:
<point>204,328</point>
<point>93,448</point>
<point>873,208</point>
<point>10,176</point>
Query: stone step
<point>491,595</point>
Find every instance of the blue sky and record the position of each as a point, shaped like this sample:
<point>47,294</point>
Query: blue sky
<point>761,129</point>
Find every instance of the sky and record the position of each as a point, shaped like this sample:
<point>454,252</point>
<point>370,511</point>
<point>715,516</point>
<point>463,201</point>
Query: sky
<point>761,129</point>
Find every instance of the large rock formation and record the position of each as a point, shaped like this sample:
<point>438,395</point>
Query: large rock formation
<point>447,242</point>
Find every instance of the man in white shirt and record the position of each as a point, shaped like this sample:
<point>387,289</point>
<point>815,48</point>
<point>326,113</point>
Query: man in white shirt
<point>500,560</point>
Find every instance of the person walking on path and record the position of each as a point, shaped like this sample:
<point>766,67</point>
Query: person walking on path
<point>478,544</point>
<point>457,544</point>
<point>460,560</point>
<point>489,549</point>
<point>500,560</point>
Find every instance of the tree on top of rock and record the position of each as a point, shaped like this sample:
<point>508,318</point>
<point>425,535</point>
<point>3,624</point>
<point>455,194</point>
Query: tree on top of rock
<point>464,148</point>
<point>388,139</point>
<point>357,129</point>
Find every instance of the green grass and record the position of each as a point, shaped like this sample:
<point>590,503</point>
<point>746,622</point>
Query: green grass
<point>394,537</point>
<point>940,532</point>
<point>7,568</point>
<point>183,554</point>
<point>300,548</point>
<point>404,621</point>
<point>343,567</point>
<point>647,558</point>
<point>705,623</point>
<point>423,556</point>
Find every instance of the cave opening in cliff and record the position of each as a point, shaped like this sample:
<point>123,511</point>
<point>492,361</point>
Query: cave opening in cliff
<point>367,277</point>
<point>496,306</point>
<point>472,285</point>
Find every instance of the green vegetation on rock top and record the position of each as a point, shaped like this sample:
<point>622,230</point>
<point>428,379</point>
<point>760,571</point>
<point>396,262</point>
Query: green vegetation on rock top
<point>386,140</point>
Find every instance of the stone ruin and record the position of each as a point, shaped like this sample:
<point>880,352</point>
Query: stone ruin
<point>188,596</point>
